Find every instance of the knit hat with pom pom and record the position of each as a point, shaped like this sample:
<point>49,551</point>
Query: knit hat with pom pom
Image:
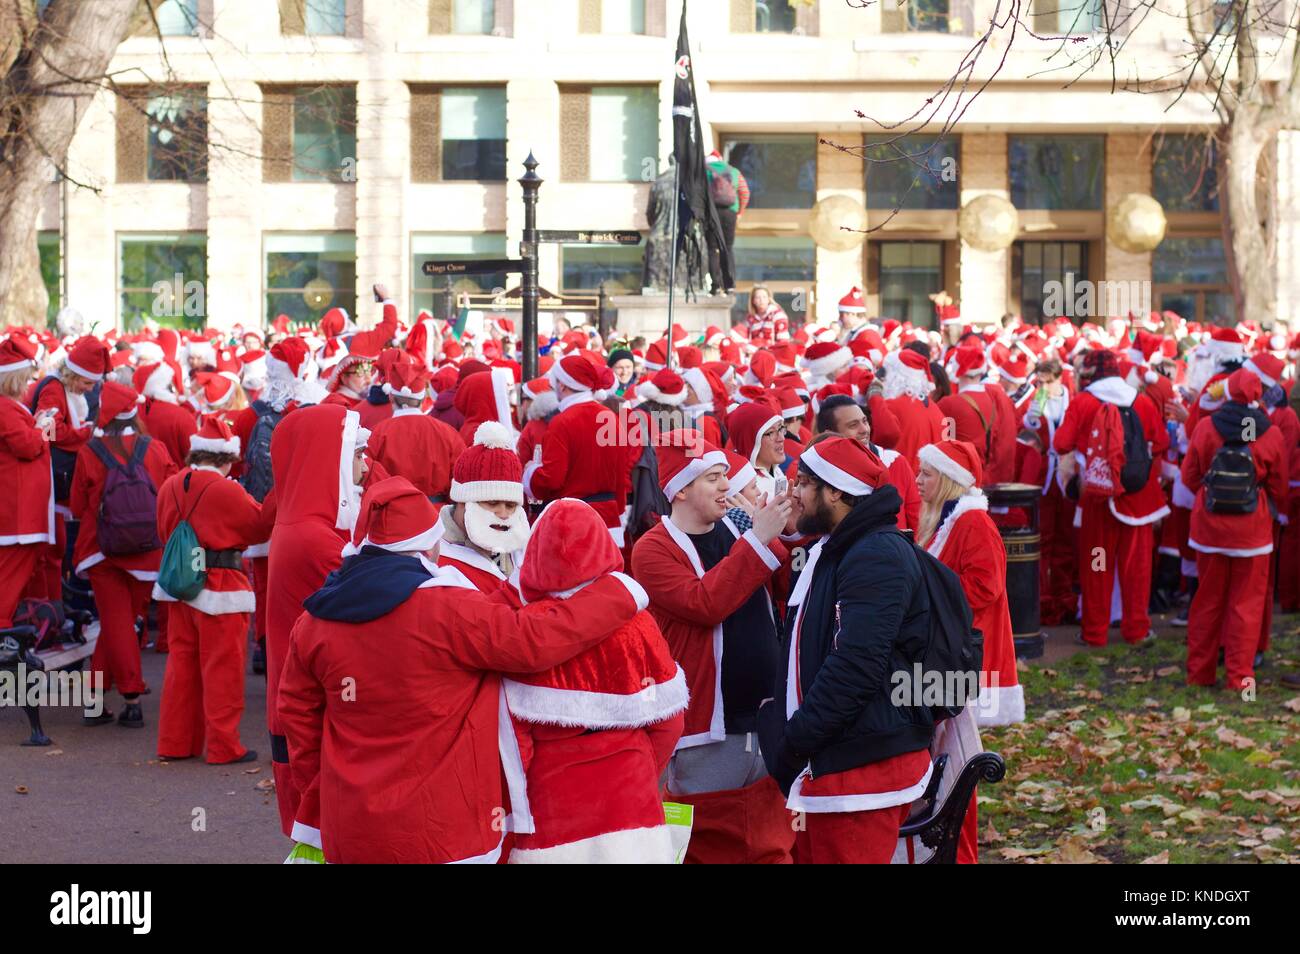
<point>489,469</point>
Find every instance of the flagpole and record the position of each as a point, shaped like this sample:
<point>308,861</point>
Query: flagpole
<point>672,262</point>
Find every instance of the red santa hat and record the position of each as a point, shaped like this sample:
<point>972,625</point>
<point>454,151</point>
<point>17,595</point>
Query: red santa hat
<point>203,350</point>
<point>748,423</point>
<point>577,373</point>
<point>762,368</point>
<point>628,679</point>
<point>966,360</point>
<point>116,402</point>
<point>489,469</point>
<point>1013,366</point>
<point>846,464</point>
<point>665,387</point>
<point>683,456</point>
<point>407,379</point>
<point>16,353</point>
<point>215,437</point>
<point>740,473</point>
<point>868,346</point>
<point>957,460</point>
<point>656,356</point>
<point>1244,386</point>
<point>287,360</point>
<point>852,303</point>
<point>826,359</point>
<point>252,367</point>
<point>1225,345</point>
<point>396,517</point>
<point>216,390</point>
<point>787,359</point>
<point>793,380</point>
<point>333,323</point>
<point>485,396</point>
<point>535,388</point>
<point>792,405</point>
<point>1267,367</point>
<point>152,380</point>
<point>713,336</point>
<point>729,351</point>
<point>89,358</point>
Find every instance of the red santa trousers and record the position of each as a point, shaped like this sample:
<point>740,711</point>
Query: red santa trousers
<point>203,688</point>
<point>1226,612</point>
<point>18,564</point>
<point>850,838</point>
<point>1288,557</point>
<point>119,598</point>
<point>163,611</point>
<point>1107,546</point>
<point>259,565</point>
<point>1056,573</point>
<point>740,826</point>
<point>49,582</point>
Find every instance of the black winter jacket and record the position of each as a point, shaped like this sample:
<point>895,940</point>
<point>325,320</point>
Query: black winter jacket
<point>865,617</point>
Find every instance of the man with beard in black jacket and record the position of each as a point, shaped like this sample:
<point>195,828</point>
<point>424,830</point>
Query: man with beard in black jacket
<point>843,752</point>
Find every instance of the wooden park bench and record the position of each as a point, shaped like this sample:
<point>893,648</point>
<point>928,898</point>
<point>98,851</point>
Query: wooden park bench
<point>18,646</point>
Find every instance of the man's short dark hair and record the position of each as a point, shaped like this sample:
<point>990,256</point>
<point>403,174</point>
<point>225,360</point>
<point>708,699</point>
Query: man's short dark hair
<point>920,347</point>
<point>826,412</point>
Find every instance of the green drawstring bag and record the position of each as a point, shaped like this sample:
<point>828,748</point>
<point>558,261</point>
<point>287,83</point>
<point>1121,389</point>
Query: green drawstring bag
<point>184,570</point>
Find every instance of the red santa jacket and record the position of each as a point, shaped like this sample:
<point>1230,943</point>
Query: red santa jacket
<point>586,455</point>
<point>27,504</point>
<point>1148,504</point>
<point>974,416</point>
<point>87,490</point>
<point>70,432</point>
<point>900,474</point>
<point>690,606</point>
<point>530,438</point>
<point>409,768</point>
<point>919,423</point>
<point>969,544</point>
<point>170,425</point>
<point>885,428</point>
<point>1236,535</point>
<point>371,414</point>
<point>478,569</point>
<point>415,446</point>
<point>1006,425</point>
<point>224,517</point>
<point>339,399</point>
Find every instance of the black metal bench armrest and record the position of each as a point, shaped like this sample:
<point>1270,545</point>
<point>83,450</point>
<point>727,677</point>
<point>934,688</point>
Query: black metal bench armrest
<point>940,827</point>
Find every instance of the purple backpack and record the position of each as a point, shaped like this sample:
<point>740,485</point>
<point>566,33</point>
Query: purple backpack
<point>128,509</point>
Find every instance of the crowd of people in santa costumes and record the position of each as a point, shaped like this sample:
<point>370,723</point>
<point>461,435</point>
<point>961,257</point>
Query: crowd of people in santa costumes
<point>506,620</point>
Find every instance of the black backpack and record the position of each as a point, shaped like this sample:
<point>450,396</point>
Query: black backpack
<point>954,648</point>
<point>1137,452</point>
<point>258,477</point>
<point>62,462</point>
<point>646,495</point>
<point>1230,483</point>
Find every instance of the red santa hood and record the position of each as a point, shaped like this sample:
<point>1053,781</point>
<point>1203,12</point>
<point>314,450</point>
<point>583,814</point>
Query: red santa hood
<point>629,679</point>
<point>485,397</point>
<point>306,486</point>
<point>745,425</point>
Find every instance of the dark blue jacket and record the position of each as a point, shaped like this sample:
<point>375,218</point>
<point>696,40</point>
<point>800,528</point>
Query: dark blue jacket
<point>866,616</point>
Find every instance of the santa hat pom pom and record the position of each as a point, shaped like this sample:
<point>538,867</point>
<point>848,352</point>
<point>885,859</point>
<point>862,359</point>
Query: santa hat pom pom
<point>493,434</point>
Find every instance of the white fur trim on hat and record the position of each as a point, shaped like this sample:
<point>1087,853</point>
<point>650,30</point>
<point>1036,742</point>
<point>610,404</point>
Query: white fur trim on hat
<point>930,454</point>
<point>480,491</point>
<point>692,470</point>
<point>6,368</point>
<point>559,374</point>
<point>758,435</point>
<point>1251,366</point>
<point>402,392</point>
<point>211,445</point>
<point>837,478</point>
<point>77,369</point>
<point>696,380</point>
<point>823,367</point>
<point>646,391</point>
<point>743,478</point>
<point>425,540</point>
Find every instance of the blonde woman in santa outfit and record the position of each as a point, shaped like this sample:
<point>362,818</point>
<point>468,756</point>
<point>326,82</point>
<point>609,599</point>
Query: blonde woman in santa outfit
<point>957,530</point>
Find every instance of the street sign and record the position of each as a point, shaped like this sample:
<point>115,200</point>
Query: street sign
<point>589,238</point>
<point>485,266</point>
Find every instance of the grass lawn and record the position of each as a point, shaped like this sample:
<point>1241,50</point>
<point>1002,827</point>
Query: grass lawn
<point>1120,761</point>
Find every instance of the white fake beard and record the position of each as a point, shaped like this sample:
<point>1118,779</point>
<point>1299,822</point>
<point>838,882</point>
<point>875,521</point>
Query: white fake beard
<point>479,529</point>
<point>78,408</point>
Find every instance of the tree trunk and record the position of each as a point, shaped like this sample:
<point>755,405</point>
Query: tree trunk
<point>1251,249</point>
<point>43,97</point>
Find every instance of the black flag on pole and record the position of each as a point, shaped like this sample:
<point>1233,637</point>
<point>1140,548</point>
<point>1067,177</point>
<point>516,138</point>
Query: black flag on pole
<point>694,203</point>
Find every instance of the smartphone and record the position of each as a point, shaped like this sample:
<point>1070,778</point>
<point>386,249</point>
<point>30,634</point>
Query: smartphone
<point>782,485</point>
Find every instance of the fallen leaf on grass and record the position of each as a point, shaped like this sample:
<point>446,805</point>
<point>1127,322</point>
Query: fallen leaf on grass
<point>1271,834</point>
<point>1074,852</point>
<point>1233,737</point>
<point>1292,705</point>
<point>990,835</point>
<point>1168,671</point>
<point>1182,714</point>
<point>1161,859</point>
<point>1012,854</point>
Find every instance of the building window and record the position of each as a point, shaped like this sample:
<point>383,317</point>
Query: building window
<point>624,133</point>
<point>47,242</point>
<point>473,16</point>
<point>178,137</point>
<point>1191,279</point>
<point>914,172</point>
<point>909,273</point>
<point>473,133</point>
<point>309,134</point>
<point>325,17</point>
<point>585,268</point>
<point>1068,17</point>
<point>163,278</point>
<point>920,16</point>
<point>307,274</point>
<point>1056,172</point>
<point>1184,173</point>
<point>785,265</point>
<point>178,17</point>
<point>429,293</point>
<point>781,170</point>
<point>774,16</point>
<point>1043,267</point>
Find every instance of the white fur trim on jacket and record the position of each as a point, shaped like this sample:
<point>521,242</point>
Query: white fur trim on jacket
<point>349,506</point>
<point>641,846</point>
<point>866,802</point>
<point>973,499</point>
<point>597,710</point>
<point>634,589</point>
<point>258,550</point>
<point>1132,521</point>
<point>144,576</point>
<point>305,834</point>
<point>930,454</point>
<point>1000,705</point>
<point>1113,390</point>
<point>213,602</point>
<point>1226,551</point>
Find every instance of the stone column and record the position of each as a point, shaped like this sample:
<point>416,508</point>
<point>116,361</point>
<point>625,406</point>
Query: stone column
<point>1128,169</point>
<point>838,173</point>
<point>985,292</point>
